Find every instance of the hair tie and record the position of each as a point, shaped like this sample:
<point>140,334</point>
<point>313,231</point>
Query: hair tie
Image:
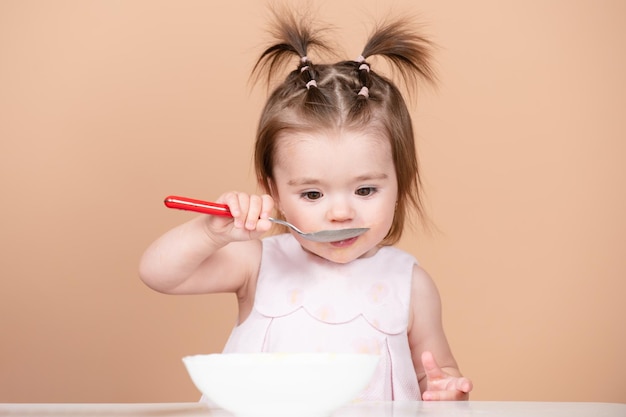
<point>304,59</point>
<point>360,59</point>
<point>365,92</point>
<point>304,68</point>
<point>310,84</point>
<point>364,67</point>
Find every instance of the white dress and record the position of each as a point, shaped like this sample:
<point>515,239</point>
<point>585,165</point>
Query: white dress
<point>304,303</point>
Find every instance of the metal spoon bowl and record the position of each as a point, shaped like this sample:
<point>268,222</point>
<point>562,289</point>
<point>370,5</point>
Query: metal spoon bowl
<point>216,209</point>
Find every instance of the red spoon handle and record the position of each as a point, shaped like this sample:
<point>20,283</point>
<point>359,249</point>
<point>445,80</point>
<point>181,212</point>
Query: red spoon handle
<point>190,204</point>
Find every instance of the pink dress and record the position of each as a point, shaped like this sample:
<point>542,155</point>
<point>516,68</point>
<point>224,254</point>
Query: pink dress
<point>304,303</point>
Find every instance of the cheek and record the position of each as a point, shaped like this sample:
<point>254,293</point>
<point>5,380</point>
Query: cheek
<point>306,223</point>
<point>301,216</point>
<point>381,216</point>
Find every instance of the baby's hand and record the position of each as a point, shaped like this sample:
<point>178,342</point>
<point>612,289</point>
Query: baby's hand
<point>441,386</point>
<point>250,216</point>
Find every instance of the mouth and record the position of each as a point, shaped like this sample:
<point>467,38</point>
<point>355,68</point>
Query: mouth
<point>344,243</point>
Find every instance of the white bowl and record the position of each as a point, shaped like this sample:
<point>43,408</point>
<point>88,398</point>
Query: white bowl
<point>281,384</point>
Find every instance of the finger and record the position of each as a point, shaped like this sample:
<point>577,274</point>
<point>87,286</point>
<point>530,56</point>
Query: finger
<point>230,199</point>
<point>238,205</point>
<point>267,206</point>
<point>255,205</point>
<point>432,395</point>
<point>244,204</point>
<point>431,368</point>
<point>464,385</point>
<point>448,395</point>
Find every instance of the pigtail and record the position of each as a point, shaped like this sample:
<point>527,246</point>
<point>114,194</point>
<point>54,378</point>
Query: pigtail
<point>293,37</point>
<point>408,51</point>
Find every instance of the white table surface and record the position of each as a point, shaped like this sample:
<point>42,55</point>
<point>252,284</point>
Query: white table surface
<point>369,409</point>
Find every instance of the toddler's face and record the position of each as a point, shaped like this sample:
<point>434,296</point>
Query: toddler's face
<point>336,181</point>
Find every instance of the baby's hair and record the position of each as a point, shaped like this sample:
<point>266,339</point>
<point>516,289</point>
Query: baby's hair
<point>346,95</point>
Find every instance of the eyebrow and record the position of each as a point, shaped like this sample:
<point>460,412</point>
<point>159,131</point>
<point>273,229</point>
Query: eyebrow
<point>303,181</point>
<point>315,181</point>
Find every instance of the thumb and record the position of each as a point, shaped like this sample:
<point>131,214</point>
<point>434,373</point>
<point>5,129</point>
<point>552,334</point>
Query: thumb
<point>431,368</point>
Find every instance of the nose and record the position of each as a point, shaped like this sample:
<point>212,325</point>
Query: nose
<point>340,210</point>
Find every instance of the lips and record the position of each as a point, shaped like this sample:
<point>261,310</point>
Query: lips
<point>344,243</point>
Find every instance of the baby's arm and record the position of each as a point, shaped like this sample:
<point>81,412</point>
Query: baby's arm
<point>210,253</point>
<point>437,371</point>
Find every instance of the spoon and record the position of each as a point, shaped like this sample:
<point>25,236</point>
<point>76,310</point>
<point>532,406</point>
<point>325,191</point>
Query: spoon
<point>216,209</point>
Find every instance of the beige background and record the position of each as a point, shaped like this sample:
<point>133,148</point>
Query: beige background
<point>106,107</point>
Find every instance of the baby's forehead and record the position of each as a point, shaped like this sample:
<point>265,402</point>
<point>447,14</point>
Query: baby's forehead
<point>332,141</point>
<point>324,150</point>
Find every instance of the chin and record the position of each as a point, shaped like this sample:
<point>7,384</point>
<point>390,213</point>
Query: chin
<point>340,259</point>
<point>340,252</point>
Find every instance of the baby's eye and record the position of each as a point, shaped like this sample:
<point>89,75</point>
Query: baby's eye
<point>365,191</point>
<point>311,195</point>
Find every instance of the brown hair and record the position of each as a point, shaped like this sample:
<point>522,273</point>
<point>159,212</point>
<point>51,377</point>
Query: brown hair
<point>346,94</point>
